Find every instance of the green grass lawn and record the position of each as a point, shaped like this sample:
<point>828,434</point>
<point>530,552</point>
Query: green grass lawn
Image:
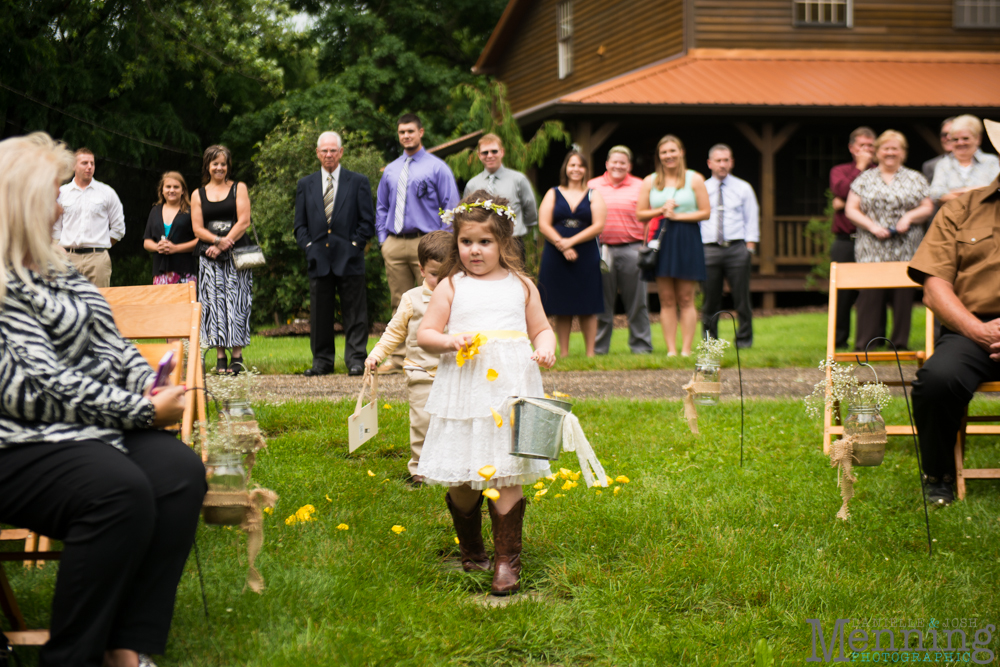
<point>693,562</point>
<point>779,341</point>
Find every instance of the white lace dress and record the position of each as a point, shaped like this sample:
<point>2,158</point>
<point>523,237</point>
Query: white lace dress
<point>462,436</point>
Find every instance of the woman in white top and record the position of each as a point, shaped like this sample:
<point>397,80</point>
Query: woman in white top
<point>967,167</point>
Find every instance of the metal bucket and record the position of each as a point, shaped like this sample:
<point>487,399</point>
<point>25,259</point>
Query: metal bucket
<point>536,433</point>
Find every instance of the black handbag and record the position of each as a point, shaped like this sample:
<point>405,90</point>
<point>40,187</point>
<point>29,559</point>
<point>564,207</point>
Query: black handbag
<point>649,257</point>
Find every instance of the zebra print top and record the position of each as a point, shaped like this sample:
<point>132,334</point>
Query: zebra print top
<point>66,374</point>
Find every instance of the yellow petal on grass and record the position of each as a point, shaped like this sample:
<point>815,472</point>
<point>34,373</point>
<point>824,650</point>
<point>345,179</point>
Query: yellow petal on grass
<point>487,471</point>
<point>547,395</point>
<point>305,514</point>
<point>597,493</point>
<point>342,526</point>
<point>553,476</point>
<point>559,394</point>
<point>497,418</point>
<point>617,490</point>
<point>387,407</point>
<point>621,479</point>
<point>492,375</point>
<point>457,541</point>
<point>268,510</point>
<point>328,498</point>
<point>560,495</point>
<point>564,473</point>
<point>540,485</point>
<point>539,494</point>
<point>609,480</point>
<point>574,476</point>
<point>291,520</point>
<point>398,529</point>
<point>492,494</point>
<point>371,474</point>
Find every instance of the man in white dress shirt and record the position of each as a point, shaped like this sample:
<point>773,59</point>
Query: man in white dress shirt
<point>730,237</point>
<point>92,221</point>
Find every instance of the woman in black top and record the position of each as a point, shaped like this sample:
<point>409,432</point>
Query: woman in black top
<point>220,215</point>
<point>169,234</point>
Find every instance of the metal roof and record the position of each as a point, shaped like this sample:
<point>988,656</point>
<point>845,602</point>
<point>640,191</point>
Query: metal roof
<point>800,78</point>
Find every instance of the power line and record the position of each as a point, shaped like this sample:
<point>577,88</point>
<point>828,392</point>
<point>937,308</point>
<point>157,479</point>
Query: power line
<point>155,144</point>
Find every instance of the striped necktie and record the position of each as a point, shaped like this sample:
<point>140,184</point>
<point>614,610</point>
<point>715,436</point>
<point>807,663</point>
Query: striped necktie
<point>329,196</point>
<point>404,178</point>
<point>491,184</point>
<point>722,216</point>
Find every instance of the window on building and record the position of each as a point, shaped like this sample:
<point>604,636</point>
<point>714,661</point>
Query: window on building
<point>564,36</point>
<point>977,13</point>
<point>836,13</point>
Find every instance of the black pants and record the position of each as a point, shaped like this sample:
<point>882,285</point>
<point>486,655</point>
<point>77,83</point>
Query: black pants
<point>871,307</point>
<point>732,264</point>
<point>941,391</point>
<point>842,252</point>
<point>354,310</point>
<point>127,523</point>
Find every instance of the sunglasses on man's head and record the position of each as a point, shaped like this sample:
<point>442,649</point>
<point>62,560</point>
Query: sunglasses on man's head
<point>495,151</point>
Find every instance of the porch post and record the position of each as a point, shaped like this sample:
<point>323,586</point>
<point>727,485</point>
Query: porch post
<point>768,143</point>
<point>590,140</point>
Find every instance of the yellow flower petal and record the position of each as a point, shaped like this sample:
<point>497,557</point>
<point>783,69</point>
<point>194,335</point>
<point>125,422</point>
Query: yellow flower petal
<point>574,476</point>
<point>539,494</point>
<point>342,526</point>
<point>609,480</point>
<point>564,473</point>
<point>457,541</point>
<point>492,375</point>
<point>567,486</point>
<point>384,481</point>
<point>387,407</point>
<point>597,493</point>
<point>497,418</point>
<point>559,394</point>
<point>268,510</point>
<point>621,479</point>
<point>551,477</point>
<point>617,490</point>
<point>492,494</point>
<point>328,498</point>
<point>547,395</point>
<point>371,474</point>
<point>291,521</point>
<point>398,529</point>
<point>487,471</point>
<point>540,485</point>
<point>560,495</point>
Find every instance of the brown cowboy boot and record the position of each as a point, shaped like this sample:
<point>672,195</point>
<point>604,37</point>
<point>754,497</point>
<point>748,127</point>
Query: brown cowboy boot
<point>507,547</point>
<point>468,528</point>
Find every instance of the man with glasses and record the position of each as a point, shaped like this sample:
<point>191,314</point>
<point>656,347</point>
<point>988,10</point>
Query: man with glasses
<point>512,185</point>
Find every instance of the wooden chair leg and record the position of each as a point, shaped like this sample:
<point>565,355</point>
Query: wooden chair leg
<point>8,604</point>
<point>44,544</point>
<point>30,544</point>
<point>960,457</point>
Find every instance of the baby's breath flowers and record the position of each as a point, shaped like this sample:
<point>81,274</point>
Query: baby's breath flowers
<point>712,349</point>
<point>448,216</point>
<point>844,387</point>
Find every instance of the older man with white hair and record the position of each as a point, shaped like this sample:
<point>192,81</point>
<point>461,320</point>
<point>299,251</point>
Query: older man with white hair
<point>334,219</point>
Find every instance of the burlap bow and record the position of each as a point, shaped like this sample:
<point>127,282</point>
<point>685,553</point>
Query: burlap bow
<point>842,458</point>
<point>253,503</point>
<point>695,386</point>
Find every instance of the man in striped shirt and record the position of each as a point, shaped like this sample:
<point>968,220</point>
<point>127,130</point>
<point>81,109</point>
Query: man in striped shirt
<point>621,240</point>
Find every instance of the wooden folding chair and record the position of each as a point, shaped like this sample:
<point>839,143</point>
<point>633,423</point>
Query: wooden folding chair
<point>974,426</point>
<point>142,313</point>
<point>858,276</point>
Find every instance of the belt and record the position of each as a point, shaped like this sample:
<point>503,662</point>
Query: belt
<point>841,236</point>
<point>84,251</point>
<point>411,235</point>
<point>726,244</point>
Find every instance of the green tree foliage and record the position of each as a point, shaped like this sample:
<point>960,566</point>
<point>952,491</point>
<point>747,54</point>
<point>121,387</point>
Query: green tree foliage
<point>286,155</point>
<point>820,231</point>
<point>395,56</point>
<point>490,112</point>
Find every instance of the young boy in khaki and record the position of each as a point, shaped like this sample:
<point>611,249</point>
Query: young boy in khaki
<point>419,366</point>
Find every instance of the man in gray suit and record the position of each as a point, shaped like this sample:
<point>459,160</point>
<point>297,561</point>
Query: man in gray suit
<point>334,218</point>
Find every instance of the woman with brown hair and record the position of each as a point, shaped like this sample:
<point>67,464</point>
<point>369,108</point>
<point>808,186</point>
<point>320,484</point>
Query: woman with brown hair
<point>220,215</point>
<point>571,217</point>
<point>676,196</point>
<point>169,233</point>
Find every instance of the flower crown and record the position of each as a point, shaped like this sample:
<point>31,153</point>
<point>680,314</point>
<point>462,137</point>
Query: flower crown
<point>448,216</point>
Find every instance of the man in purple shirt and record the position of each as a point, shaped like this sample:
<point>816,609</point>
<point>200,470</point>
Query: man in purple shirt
<point>862,148</point>
<point>413,189</point>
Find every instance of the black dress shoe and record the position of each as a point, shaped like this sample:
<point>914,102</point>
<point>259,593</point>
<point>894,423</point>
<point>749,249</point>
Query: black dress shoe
<point>356,370</point>
<point>315,372</point>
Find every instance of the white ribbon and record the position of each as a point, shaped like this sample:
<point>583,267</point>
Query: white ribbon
<point>574,440</point>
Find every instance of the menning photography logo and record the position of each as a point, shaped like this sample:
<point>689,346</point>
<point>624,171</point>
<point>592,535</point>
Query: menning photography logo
<point>895,640</point>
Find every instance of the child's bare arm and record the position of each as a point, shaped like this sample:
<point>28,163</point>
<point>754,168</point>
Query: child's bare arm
<point>430,335</point>
<point>539,330</point>
<point>395,333</point>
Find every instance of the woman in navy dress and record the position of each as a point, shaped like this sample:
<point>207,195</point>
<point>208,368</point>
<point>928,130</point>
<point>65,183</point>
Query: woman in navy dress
<point>572,217</point>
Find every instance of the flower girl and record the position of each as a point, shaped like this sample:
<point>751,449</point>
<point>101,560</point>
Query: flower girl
<point>493,315</point>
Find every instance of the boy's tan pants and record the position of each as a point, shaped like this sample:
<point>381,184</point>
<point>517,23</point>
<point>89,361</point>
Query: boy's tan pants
<point>417,391</point>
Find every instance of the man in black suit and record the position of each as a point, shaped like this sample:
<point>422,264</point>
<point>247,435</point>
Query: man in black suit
<point>334,219</point>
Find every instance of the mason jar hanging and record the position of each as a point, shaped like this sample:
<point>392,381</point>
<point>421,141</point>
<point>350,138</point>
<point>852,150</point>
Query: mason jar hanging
<point>707,384</point>
<point>866,429</point>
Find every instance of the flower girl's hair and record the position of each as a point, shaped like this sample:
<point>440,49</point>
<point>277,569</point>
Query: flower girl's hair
<point>501,226</point>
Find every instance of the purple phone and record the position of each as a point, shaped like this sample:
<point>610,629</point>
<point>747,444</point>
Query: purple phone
<point>163,371</point>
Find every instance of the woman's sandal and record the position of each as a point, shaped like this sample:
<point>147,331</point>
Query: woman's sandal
<point>236,365</point>
<point>222,365</point>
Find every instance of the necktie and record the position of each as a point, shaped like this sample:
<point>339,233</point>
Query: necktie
<point>404,178</point>
<point>491,184</point>
<point>722,215</point>
<point>329,196</point>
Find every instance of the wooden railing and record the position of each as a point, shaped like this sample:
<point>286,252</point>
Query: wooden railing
<point>792,244</point>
